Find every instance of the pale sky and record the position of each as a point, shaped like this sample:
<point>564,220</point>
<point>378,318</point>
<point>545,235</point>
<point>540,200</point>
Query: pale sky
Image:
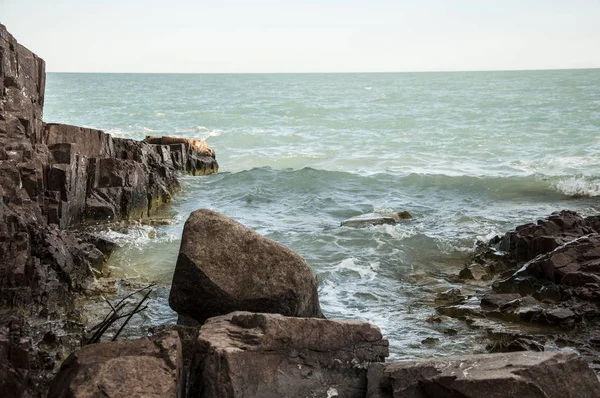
<point>235,36</point>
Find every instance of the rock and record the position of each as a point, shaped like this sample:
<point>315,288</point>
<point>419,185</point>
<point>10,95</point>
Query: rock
<point>520,374</point>
<point>474,271</point>
<point>530,240</point>
<point>499,300</point>
<point>149,367</point>
<point>224,266</point>
<point>452,295</point>
<point>54,177</point>
<point>266,355</point>
<point>372,219</point>
<point>580,258</point>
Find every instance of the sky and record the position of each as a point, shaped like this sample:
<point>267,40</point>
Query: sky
<point>261,36</point>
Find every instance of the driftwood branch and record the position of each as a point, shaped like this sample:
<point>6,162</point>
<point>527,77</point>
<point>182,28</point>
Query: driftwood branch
<point>119,311</point>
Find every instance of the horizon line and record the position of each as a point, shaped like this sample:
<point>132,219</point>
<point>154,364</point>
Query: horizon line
<point>323,73</point>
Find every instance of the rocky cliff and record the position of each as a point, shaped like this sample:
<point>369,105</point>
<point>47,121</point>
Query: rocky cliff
<point>54,177</point>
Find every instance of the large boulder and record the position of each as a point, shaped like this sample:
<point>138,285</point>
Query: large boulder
<point>224,266</point>
<point>266,355</point>
<point>522,374</point>
<point>149,367</point>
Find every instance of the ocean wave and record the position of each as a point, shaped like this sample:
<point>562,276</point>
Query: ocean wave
<point>578,186</point>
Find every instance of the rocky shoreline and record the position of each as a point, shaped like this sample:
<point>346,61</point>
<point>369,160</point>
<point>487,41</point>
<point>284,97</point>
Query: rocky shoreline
<point>250,319</point>
<point>55,178</point>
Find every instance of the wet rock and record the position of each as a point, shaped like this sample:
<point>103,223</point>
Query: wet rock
<point>475,272</point>
<point>224,266</point>
<point>372,219</point>
<point>267,355</point>
<point>579,257</point>
<point>452,295</point>
<point>530,240</point>
<point>499,300</point>
<point>522,374</point>
<point>149,367</point>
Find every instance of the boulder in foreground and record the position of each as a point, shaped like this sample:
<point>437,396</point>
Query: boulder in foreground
<point>519,374</point>
<point>224,266</point>
<point>149,367</point>
<point>267,355</point>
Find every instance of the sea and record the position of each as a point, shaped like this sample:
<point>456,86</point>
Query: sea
<point>470,155</point>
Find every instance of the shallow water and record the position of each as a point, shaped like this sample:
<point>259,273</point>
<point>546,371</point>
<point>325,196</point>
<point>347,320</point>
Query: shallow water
<point>469,155</point>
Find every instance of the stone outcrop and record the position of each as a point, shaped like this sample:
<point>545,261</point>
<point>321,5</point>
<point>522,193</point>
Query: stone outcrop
<point>224,266</point>
<point>530,240</point>
<point>149,367</point>
<point>53,177</point>
<point>547,274</point>
<point>266,355</point>
<point>527,374</point>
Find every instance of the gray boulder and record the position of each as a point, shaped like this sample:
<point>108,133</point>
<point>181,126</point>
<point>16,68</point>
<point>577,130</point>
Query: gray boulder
<point>224,266</point>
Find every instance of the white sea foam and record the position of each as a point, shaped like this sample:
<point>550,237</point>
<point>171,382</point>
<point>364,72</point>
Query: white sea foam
<point>578,186</point>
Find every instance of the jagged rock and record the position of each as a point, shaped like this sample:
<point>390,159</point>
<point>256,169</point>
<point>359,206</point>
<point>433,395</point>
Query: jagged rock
<point>195,156</point>
<point>474,271</point>
<point>520,374</point>
<point>148,367</point>
<point>53,177</point>
<point>579,258</point>
<point>530,240</point>
<point>224,266</point>
<point>266,355</point>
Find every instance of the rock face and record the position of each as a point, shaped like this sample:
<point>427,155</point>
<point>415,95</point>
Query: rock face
<point>224,266</point>
<point>53,177</point>
<point>267,355</point>
<point>527,374</point>
<point>149,367</point>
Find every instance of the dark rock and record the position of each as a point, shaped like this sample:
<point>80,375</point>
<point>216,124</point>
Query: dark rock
<point>53,177</point>
<point>530,240</point>
<point>149,367</point>
<point>522,374</point>
<point>452,295</point>
<point>474,271</point>
<point>499,300</point>
<point>267,355</point>
<point>224,266</point>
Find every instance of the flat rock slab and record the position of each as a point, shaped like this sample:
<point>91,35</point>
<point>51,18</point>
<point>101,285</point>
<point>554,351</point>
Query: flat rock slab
<point>224,266</point>
<point>149,367</point>
<point>267,355</point>
<point>519,374</point>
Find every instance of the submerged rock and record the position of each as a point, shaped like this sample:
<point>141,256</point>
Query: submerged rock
<point>266,355</point>
<point>224,266</point>
<point>372,219</point>
<point>522,374</point>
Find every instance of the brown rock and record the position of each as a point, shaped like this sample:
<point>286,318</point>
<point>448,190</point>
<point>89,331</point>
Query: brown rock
<point>149,367</point>
<point>520,374</point>
<point>267,355</point>
<point>224,266</point>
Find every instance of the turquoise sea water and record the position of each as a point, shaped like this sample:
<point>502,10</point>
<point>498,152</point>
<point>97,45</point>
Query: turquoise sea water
<point>470,155</point>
